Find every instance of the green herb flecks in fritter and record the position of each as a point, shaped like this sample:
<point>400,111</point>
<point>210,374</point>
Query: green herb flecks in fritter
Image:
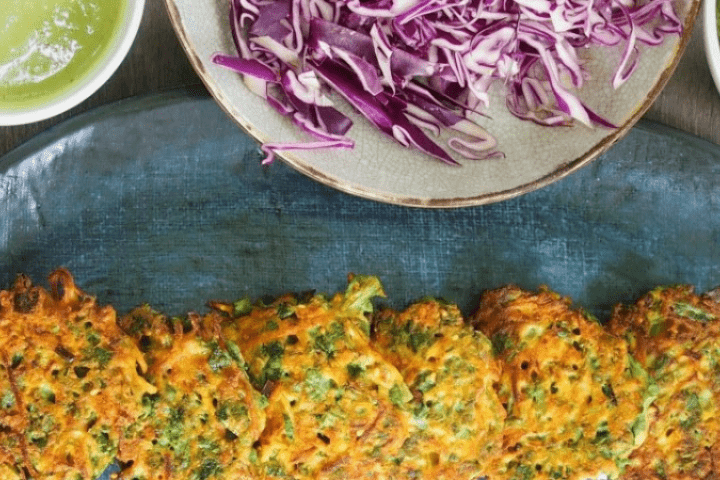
<point>336,408</point>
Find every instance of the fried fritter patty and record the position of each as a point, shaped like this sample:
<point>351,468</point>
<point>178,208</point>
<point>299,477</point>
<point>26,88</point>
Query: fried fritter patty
<point>576,400</point>
<point>203,420</point>
<point>449,367</point>
<point>336,408</point>
<point>675,334</point>
<point>69,386</point>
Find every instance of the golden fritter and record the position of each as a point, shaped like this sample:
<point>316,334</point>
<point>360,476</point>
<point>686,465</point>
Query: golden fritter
<point>675,334</point>
<point>69,385</point>
<point>450,369</point>
<point>205,416</point>
<point>576,400</point>
<point>336,408</point>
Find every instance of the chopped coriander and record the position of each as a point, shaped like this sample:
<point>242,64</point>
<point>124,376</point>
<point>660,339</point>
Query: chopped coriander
<point>419,339</point>
<point>284,311</point>
<point>325,342</point>
<point>657,328</point>
<point>693,409</point>
<point>93,338</point>
<point>638,426</point>
<point>500,343</point>
<point>99,354</point>
<point>636,370</point>
<point>317,385</point>
<point>103,440</point>
<point>608,391</point>
<point>209,446</point>
<point>7,401</point>
<point>397,395</point>
<point>424,382</point>
<point>537,393</point>
<point>231,409</point>
<point>360,292</point>
<point>16,360</point>
<point>47,394</point>
<point>354,370</point>
<point>210,468</point>
<point>219,358</point>
<point>602,434</point>
<point>289,429</point>
<point>234,352</point>
<point>242,307</point>
<point>138,324</point>
<point>693,313</point>
<point>271,326</point>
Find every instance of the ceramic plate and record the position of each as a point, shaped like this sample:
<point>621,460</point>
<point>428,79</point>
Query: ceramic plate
<point>163,199</point>
<point>380,169</point>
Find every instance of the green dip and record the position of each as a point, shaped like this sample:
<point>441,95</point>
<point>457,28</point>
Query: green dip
<point>47,47</point>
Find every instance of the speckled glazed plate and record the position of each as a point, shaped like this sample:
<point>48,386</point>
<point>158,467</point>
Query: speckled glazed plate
<point>381,169</point>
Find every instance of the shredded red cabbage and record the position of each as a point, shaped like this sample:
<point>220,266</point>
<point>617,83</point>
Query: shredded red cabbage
<point>419,67</point>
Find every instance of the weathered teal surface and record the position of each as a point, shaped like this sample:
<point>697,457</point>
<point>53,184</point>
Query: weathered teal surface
<point>163,199</point>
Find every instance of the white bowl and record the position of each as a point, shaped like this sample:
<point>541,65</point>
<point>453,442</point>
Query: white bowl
<point>91,81</point>
<point>381,169</point>
<point>711,40</point>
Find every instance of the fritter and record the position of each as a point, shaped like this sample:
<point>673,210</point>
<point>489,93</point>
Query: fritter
<point>336,408</point>
<point>450,369</point>
<point>202,422</point>
<point>576,400</point>
<point>311,386</point>
<point>675,333</point>
<point>69,382</point>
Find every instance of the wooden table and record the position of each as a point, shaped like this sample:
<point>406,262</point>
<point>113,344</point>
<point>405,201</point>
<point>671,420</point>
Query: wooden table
<point>157,63</point>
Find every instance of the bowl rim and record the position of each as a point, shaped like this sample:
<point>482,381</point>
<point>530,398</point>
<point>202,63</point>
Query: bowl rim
<point>711,39</point>
<point>92,82</point>
<point>456,202</point>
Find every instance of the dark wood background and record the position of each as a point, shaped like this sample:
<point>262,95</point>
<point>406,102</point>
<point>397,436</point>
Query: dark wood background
<point>157,63</point>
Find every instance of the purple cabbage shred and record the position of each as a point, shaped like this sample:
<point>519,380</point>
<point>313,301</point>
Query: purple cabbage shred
<point>422,68</point>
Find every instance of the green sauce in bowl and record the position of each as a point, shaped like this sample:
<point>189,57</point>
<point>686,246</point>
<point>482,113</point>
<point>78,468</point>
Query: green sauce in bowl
<point>48,47</point>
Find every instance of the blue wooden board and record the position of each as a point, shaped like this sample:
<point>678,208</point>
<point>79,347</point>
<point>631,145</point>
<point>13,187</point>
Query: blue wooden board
<point>163,199</point>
